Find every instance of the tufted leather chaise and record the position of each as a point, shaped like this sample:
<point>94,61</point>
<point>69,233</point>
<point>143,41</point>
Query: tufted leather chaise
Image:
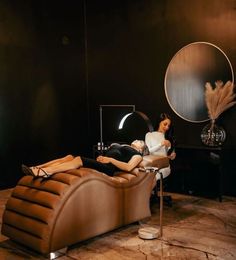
<point>49,214</point>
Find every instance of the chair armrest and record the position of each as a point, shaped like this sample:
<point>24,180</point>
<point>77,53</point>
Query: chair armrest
<point>154,161</point>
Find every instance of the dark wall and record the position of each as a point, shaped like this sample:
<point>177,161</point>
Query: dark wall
<point>42,82</point>
<point>60,59</point>
<point>132,43</point>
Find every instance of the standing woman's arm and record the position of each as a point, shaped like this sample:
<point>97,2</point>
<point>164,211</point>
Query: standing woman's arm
<point>148,142</point>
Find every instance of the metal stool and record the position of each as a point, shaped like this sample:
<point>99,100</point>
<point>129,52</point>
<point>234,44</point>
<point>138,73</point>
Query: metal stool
<point>151,233</point>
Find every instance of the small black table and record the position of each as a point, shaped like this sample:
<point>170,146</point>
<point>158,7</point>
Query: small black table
<point>206,163</point>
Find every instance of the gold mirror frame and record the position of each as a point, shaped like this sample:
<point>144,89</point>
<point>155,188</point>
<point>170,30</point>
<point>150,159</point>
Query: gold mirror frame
<point>186,75</point>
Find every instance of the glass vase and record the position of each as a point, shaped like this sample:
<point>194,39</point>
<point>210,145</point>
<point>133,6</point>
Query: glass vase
<point>213,135</point>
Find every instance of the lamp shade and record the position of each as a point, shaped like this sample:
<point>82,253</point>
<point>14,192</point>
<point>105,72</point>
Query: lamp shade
<point>107,120</point>
<point>142,115</point>
<point>132,125</point>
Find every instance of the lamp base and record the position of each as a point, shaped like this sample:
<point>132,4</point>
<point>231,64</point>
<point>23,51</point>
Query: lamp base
<point>148,233</point>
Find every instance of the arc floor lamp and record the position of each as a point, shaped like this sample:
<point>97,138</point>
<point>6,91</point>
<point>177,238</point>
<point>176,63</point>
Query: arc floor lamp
<point>122,122</point>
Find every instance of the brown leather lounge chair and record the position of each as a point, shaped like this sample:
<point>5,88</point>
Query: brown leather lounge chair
<point>50,214</point>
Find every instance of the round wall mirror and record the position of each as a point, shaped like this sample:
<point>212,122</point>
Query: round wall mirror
<point>186,76</point>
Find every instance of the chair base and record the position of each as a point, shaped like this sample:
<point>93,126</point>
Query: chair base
<point>148,233</point>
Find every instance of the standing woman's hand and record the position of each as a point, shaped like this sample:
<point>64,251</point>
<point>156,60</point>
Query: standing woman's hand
<point>166,143</point>
<point>172,156</point>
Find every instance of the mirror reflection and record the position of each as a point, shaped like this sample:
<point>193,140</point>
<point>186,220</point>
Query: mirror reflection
<point>186,76</point>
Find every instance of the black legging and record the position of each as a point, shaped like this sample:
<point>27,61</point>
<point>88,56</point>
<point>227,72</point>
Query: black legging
<point>107,168</point>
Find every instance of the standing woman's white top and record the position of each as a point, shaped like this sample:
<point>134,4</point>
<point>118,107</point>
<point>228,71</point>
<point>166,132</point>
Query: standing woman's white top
<point>155,143</point>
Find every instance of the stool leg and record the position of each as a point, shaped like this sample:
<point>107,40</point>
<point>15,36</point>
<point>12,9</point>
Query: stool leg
<point>161,203</point>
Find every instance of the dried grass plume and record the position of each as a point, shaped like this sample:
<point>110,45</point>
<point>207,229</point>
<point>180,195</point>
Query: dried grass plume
<point>220,98</point>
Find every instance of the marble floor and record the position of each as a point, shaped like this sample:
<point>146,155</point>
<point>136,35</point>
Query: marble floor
<point>193,228</point>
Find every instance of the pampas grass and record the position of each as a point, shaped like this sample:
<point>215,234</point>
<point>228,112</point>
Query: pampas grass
<point>220,98</point>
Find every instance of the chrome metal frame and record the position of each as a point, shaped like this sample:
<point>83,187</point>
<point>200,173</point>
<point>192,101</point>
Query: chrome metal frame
<point>101,118</point>
<point>141,114</point>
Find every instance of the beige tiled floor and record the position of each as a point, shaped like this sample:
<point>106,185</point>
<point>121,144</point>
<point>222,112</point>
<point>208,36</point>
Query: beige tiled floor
<point>194,228</point>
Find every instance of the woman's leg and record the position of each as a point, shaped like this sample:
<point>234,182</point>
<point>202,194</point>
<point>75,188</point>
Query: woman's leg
<point>56,161</point>
<point>75,163</point>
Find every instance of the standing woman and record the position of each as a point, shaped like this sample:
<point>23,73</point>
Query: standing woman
<point>161,141</point>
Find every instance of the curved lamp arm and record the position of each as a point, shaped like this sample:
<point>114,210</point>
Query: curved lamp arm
<point>141,114</point>
<point>132,108</point>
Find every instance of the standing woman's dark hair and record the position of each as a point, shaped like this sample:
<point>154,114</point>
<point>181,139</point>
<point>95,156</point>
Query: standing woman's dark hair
<point>169,134</point>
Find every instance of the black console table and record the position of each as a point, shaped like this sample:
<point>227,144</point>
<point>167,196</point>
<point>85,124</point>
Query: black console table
<point>198,170</point>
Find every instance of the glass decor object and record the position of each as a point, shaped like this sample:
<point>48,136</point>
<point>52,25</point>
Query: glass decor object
<point>213,135</point>
<point>218,99</point>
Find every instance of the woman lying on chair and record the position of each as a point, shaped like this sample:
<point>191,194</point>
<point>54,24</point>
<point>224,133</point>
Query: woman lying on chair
<point>117,157</point>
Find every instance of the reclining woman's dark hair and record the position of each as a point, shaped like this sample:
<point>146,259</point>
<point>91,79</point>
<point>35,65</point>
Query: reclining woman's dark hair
<point>145,150</point>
